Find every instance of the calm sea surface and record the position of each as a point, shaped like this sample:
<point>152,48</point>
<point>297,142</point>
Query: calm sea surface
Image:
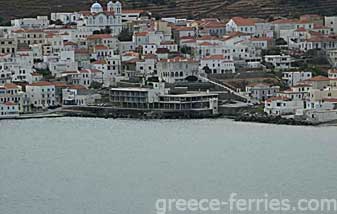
<point>97,166</point>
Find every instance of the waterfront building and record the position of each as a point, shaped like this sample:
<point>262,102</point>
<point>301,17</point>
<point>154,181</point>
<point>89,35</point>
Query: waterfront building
<point>282,106</point>
<point>9,109</point>
<point>77,95</point>
<point>157,97</point>
<point>177,69</point>
<point>41,94</point>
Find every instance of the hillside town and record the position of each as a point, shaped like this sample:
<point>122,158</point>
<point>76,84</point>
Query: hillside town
<point>115,62</point>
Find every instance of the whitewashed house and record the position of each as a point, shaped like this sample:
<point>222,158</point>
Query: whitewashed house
<point>177,69</point>
<point>282,106</point>
<point>217,64</point>
<point>41,94</point>
<point>294,77</point>
<point>280,62</point>
<point>239,24</point>
<point>261,91</point>
<point>9,110</point>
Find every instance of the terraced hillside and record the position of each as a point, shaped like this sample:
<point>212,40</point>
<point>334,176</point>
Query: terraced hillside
<point>179,8</point>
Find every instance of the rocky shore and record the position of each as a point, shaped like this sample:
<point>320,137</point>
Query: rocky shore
<point>262,118</point>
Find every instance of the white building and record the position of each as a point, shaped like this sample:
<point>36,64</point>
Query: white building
<point>39,22</point>
<point>65,18</point>
<point>294,77</point>
<point>331,22</point>
<point>217,64</point>
<point>131,15</point>
<point>98,18</point>
<point>8,110</point>
<point>282,106</point>
<point>86,77</point>
<point>10,92</point>
<point>149,48</point>
<point>169,45</point>
<point>177,69</point>
<point>280,62</point>
<point>64,62</point>
<point>41,94</point>
<point>111,68</point>
<point>78,96</point>
<point>261,91</point>
<point>239,24</point>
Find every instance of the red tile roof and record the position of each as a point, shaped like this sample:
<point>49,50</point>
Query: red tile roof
<point>99,36</point>
<point>42,83</point>
<point>319,78</point>
<point>214,57</point>
<point>101,47</point>
<point>11,86</point>
<point>10,103</point>
<point>243,21</point>
<point>141,33</point>
<point>100,62</point>
<point>277,98</point>
<point>331,100</point>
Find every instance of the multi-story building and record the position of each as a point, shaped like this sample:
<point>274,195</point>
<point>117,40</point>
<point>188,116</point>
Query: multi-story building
<point>8,45</point>
<point>9,110</point>
<point>262,92</point>
<point>157,98</point>
<point>292,78</point>
<point>39,22</point>
<point>280,62</point>
<point>30,36</point>
<point>239,24</point>
<point>78,96</point>
<point>10,92</point>
<point>98,18</point>
<point>41,94</point>
<point>217,64</point>
<point>177,69</point>
<point>331,22</point>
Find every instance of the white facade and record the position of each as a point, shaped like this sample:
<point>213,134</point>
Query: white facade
<point>331,22</point>
<point>279,61</point>
<point>86,77</point>
<point>217,64</point>
<point>65,18</point>
<point>282,106</point>
<point>294,77</point>
<point>39,22</point>
<point>239,24</point>
<point>177,69</point>
<point>262,92</point>
<point>41,94</point>
<point>75,96</point>
<point>8,110</point>
<point>149,49</point>
<point>97,18</point>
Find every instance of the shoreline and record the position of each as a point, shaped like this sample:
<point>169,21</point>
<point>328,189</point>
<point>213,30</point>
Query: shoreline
<point>236,118</point>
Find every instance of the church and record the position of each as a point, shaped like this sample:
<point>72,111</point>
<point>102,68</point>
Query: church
<point>99,18</point>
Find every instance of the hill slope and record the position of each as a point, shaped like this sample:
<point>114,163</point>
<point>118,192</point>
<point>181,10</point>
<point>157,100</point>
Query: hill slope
<point>179,8</point>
